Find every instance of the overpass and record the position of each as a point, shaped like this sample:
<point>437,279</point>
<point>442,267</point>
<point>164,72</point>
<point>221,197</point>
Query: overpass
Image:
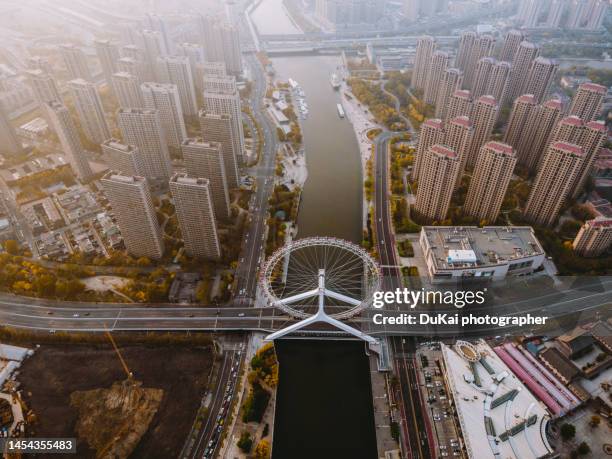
<point>45,315</point>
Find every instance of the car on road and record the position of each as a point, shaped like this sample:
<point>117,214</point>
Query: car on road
<point>241,314</point>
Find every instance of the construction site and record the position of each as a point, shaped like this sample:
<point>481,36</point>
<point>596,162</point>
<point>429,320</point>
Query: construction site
<point>116,399</point>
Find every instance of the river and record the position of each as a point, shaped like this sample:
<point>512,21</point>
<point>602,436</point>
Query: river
<point>324,399</point>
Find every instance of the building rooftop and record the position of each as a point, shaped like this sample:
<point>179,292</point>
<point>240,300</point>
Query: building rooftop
<point>434,123</point>
<point>572,120</point>
<point>500,147</point>
<point>186,180</point>
<point>490,245</point>
<point>553,103</point>
<point>443,151</point>
<point>462,120</point>
<point>463,93</point>
<point>527,98</point>
<point>569,147</point>
<point>561,364</point>
<point>117,145</point>
<point>489,100</point>
<point>499,417</point>
<point>598,125</point>
<point>593,87</point>
<point>601,222</point>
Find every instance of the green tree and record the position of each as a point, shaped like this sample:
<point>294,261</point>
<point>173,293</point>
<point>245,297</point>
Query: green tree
<point>245,442</point>
<point>568,431</point>
<point>583,449</point>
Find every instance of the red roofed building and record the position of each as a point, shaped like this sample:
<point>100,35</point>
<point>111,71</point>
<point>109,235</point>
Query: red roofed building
<point>436,186</point>
<point>553,184</point>
<point>587,101</point>
<point>594,238</point>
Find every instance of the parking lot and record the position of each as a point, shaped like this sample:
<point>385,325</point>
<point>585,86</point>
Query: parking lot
<point>437,403</point>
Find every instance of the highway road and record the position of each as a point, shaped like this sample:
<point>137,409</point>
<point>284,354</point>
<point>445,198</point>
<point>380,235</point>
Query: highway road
<point>254,239</point>
<point>413,426</point>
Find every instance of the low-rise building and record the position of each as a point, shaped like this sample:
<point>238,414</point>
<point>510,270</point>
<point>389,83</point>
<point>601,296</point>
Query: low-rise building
<point>34,129</point>
<point>484,392</point>
<point>493,252</point>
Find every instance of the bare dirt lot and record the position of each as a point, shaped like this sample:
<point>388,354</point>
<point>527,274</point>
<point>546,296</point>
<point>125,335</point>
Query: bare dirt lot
<point>57,370</point>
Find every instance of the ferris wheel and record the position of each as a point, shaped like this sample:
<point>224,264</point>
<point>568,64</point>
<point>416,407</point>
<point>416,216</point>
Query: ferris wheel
<point>310,275</point>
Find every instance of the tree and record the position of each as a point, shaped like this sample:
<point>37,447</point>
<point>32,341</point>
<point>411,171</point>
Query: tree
<point>245,442</point>
<point>262,450</point>
<point>11,246</point>
<point>583,449</point>
<point>568,431</point>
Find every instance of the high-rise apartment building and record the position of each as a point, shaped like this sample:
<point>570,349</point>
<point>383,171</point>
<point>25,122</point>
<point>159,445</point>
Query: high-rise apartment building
<point>529,12</point>
<point>458,137</point>
<point>154,47</point>
<point>484,116</point>
<point>9,142</point>
<point>490,181</point>
<point>482,76</point>
<point>221,97</point>
<point>569,129</point>
<point>218,128</point>
<point>437,183</point>
<point>134,67</point>
<point>123,158</point>
<point>594,238</point>
<point>512,40</point>
<point>586,14</point>
<point>176,70</point>
<point>589,136</point>
<point>552,185</point>
<point>498,80</point>
<point>451,81</point>
<point>157,23</point>
<point>195,54</point>
<point>432,133</point>
<point>196,216</point>
<point>75,61</point>
<point>132,205</point>
<point>460,104</point>
<point>464,53</point>
<point>426,46</point>
<point>127,90</point>
<point>521,64</point>
<point>221,44</point>
<point>108,55</point>
<point>231,52</point>
<point>587,101</point>
<point>483,47</point>
<point>143,129</point>
<point>165,99</point>
<point>205,160</point>
<point>89,109</point>
<point>537,136</point>
<point>43,86</point>
<point>555,13</point>
<point>540,77</point>
<point>521,116</point>
<point>40,63</point>
<point>439,64</point>
<point>69,138</point>
<point>214,70</point>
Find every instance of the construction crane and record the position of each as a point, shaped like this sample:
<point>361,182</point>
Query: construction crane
<point>129,374</point>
